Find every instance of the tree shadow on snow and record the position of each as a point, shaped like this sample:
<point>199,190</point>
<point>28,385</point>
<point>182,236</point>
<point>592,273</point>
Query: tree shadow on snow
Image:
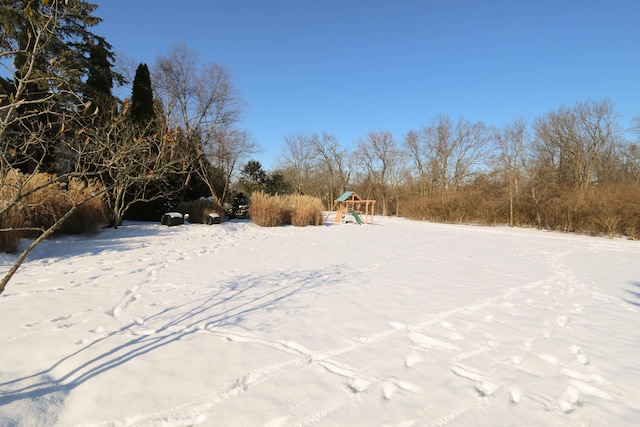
<point>125,237</point>
<point>635,294</point>
<point>243,301</point>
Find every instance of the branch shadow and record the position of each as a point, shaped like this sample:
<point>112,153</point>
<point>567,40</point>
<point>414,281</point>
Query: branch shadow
<point>109,239</point>
<point>634,294</point>
<point>233,303</point>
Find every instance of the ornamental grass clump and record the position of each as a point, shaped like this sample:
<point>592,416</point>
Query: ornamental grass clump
<point>32,203</point>
<point>272,211</point>
<point>306,210</point>
<point>266,210</point>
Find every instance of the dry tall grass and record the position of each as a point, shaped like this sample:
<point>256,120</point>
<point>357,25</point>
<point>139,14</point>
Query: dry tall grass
<point>307,210</point>
<point>272,211</point>
<point>44,203</point>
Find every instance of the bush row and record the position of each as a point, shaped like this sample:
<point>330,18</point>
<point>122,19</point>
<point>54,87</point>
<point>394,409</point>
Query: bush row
<point>608,210</point>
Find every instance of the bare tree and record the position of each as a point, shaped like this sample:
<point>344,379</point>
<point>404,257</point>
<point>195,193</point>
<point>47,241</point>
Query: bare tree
<point>631,162</point>
<point>511,142</point>
<point>232,148</point>
<point>421,156</point>
<point>333,165</point>
<point>298,161</point>
<point>133,165</point>
<point>571,140</point>
<point>631,154</point>
<point>199,102</point>
<point>381,158</point>
<point>446,154</point>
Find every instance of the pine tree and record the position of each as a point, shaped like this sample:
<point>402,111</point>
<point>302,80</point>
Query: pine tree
<point>142,112</point>
<point>57,33</point>
<point>100,77</point>
<point>57,64</point>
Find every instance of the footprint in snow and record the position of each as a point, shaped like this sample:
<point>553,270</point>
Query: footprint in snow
<point>577,308</point>
<point>484,386</point>
<point>549,358</point>
<point>277,422</point>
<point>412,359</point>
<point>58,319</point>
<point>579,354</point>
<point>388,390</point>
<point>359,385</point>
<point>569,400</point>
<point>563,321</point>
<point>528,343</point>
<point>515,395</point>
<point>390,387</point>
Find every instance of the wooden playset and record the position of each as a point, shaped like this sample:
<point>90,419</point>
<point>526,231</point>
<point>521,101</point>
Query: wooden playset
<point>351,203</point>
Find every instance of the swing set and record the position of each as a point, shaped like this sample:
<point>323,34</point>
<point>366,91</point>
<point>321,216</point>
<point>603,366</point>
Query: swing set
<point>351,203</point>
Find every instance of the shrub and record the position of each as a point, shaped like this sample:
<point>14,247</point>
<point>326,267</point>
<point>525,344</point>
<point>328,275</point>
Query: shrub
<point>10,238</point>
<point>272,211</point>
<point>199,209</point>
<point>306,210</point>
<point>610,209</point>
<point>265,210</point>
<point>90,216</point>
<point>43,204</point>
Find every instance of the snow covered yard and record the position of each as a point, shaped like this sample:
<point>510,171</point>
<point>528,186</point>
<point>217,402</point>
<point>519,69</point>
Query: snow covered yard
<point>400,324</point>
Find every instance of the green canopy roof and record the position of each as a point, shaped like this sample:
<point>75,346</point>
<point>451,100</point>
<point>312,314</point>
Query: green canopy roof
<point>345,196</point>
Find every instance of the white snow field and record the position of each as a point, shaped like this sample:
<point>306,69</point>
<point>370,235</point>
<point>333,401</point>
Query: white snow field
<point>400,323</point>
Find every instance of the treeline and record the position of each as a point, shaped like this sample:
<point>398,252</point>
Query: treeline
<point>173,139</point>
<point>570,170</point>
<point>67,143</point>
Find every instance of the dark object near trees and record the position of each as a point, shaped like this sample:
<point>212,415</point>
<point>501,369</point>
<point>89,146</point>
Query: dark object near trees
<point>239,207</point>
<point>172,218</point>
<point>212,218</point>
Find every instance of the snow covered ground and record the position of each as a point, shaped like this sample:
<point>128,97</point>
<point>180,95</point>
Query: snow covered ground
<point>395,324</point>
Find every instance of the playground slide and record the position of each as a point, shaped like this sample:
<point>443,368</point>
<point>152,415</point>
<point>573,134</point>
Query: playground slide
<point>355,216</point>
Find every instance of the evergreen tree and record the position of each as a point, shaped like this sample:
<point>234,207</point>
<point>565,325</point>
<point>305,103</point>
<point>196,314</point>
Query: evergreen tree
<point>100,77</point>
<point>57,32</point>
<point>56,65</point>
<point>142,112</point>
<point>254,178</point>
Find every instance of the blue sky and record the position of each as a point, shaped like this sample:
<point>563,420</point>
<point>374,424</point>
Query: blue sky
<point>348,67</point>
